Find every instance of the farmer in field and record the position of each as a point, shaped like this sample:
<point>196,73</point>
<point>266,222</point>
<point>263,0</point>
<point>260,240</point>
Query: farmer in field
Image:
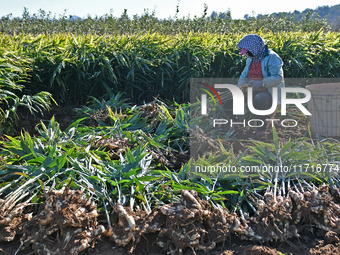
<point>263,71</point>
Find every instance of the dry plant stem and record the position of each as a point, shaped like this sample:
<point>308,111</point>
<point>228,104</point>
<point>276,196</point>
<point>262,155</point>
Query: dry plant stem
<point>11,218</point>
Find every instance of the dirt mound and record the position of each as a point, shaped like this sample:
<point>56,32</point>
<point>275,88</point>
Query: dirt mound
<point>68,224</point>
<point>174,227</point>
<point>193,224</point>
<point>282,217</point>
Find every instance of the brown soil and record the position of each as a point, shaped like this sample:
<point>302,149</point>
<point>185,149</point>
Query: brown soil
<point>308,246</point>
<point>312,246</point>
<point>298,223</point>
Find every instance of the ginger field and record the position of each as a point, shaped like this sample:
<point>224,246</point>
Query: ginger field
<point>95,139</point>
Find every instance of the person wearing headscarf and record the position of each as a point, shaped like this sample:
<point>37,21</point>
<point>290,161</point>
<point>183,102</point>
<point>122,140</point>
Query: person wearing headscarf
<point>263,71</point>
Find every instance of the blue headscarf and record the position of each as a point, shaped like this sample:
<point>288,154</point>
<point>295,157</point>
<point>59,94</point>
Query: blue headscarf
<point>255,44</point>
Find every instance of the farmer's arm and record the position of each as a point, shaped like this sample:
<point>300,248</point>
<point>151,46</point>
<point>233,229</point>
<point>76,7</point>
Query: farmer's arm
<point>244,75</point>
<point>274,70</point>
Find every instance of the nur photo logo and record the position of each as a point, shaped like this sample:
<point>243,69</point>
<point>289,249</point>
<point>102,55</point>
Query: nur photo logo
<point>242,99</point>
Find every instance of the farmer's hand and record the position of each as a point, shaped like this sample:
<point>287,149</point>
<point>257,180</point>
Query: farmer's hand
<point>258,85</point>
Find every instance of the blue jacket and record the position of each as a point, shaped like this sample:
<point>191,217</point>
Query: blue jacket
<point>272,72</point>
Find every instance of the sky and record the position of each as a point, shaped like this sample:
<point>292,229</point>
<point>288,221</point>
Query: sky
<point>162,8</point>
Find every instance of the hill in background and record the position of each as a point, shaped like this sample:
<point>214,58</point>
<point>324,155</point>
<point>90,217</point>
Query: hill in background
<point>330,13</point>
